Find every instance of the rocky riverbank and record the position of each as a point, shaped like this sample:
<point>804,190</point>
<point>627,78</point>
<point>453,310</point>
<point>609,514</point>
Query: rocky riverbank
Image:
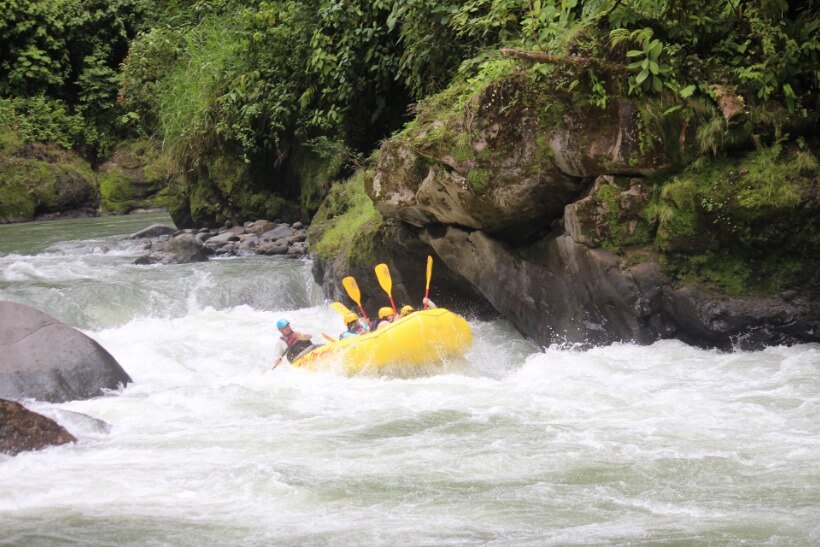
<point>586,225</point>
<point>167,244</point>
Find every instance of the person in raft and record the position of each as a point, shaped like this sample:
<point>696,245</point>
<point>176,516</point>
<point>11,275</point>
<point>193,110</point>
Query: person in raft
<point>386,316</point>
<point>408,309</point>
<point>291,344</point>
<point>354,326</point>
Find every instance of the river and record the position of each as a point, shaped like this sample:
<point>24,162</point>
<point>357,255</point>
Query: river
<point>517,445</point>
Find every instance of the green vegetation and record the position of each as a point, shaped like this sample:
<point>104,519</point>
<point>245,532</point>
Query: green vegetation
<point>346,223</point>
<point>265,106</point>
<point>138,175</point>
<point>743,225</point>
<point>479,180</point>
<point>60,61</point>
<point>49,180</point>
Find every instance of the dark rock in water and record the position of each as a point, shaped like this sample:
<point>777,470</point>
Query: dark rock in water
<point>222,238</point>
<point>227,249</point>
<point>48,360</point>
<point>185,248</point>
<point>271,249</point>
<point>145,260</point>
<point>154,230</point>
<point>282,231</point>
<point>741,322</point>
<point>560,291</point>
<point>248,242</point>
<point>22,429</point>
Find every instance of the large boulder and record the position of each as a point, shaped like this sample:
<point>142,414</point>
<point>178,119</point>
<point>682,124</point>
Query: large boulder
<point>48,360</point>
<point>45,181</point>
<point>558,290</point>
<point>280,232</point>
<point>22,429</point>
<point>498,164</point>
<point>181,249</point>
<point>137,175</point>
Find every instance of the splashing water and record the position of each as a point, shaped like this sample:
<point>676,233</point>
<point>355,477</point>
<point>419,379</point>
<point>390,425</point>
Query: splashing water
<point>512,445</point>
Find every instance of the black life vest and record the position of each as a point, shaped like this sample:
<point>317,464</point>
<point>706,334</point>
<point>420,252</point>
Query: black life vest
<point>295,346</point>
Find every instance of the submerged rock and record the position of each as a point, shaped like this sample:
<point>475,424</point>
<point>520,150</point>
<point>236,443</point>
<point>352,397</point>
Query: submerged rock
<point>22,430</point>
<point>48,360</point>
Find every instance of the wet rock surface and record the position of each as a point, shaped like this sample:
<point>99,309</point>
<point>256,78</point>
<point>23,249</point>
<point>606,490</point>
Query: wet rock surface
<point>559,291</point>
<point>43,358</point>
<point>22,430</point>
<point>167,245</point>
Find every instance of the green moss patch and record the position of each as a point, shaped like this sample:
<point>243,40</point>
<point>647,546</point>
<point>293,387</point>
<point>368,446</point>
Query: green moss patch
<point>138,175</point>
<point>346,222</point>
<point>479,180</point>
<point>116,192</point>
<point>743,226</point>
<point>52,180</point>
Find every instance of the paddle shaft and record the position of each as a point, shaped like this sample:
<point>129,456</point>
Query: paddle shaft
<point>429,276</point>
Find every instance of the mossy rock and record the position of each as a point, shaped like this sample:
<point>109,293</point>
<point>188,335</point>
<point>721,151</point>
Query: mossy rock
<point>10,141</point>
<point>137,175</point>
<point>747,225</point>
<point>346,223</point>
<point>204,204</point>
<point>505,152</point>
<point>615,215</point>
<point>44,179</point>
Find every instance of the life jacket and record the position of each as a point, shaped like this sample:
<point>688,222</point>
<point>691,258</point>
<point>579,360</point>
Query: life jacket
<point>347,334</point>
<point>295,346</point>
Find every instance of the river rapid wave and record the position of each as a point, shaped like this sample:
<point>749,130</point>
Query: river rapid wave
<point>512,445</point>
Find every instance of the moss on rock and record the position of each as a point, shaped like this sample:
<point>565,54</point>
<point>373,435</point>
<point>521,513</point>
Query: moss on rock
<point>116,192</point>
<point>743,225</point>
<point>137,175</point>
<point>346,223</point>
<point>43,179</point>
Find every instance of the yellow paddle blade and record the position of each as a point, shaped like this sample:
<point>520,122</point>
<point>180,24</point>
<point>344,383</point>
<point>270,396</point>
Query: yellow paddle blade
<point>383,275</point>
<point>429,270</point>
<point>352,289</point>
<point>339,308</point>
<point>328,337</point>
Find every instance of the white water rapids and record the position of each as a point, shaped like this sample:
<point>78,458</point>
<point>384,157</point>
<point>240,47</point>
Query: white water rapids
<point>621,444</point>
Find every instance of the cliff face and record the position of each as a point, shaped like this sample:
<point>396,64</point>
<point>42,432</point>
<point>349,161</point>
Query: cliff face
<point>584,224</point>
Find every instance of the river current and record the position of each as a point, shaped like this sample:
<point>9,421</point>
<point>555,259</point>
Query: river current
<point>516,445</point>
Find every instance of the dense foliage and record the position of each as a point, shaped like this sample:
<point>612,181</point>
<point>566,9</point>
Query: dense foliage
<point>61,60</point>
<point>277,83</point>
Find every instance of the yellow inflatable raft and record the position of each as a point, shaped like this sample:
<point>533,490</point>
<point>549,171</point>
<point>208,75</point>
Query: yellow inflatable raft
<point>423,337</point>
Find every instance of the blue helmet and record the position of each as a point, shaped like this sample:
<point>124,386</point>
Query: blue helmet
<point>282,323</point>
